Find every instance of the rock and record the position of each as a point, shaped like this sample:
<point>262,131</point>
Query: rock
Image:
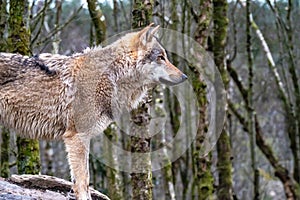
<point>35,187</point>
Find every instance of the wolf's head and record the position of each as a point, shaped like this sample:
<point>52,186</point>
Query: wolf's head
<point>151,58</point>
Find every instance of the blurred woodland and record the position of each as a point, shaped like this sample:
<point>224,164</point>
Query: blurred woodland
<point>254,44</point>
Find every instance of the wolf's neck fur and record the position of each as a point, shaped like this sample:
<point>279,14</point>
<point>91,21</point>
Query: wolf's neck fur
<point>118,85</point>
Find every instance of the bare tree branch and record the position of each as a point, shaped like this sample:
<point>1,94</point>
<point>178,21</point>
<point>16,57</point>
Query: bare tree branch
<point>290,187</point>
<point>271,62</point>
<point>40,18</point>
<point>46,40</point>
<point>235,77</point>
<point>233,56</point>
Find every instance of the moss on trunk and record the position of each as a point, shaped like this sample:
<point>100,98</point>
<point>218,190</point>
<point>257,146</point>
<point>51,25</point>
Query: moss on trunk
<point>19,37</point>
<point>3,25</point>
<point>203,178</point>
<point>142,13</point>
<point>141,182</point>
<point>99,24</point>
<point>4,156</point>
<point>224,165</point>
<point>28,159</point>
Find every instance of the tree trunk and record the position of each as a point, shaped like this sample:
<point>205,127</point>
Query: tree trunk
<point>203,21</point>
<point>28,159</point>
<point>160,112</point>
<point>203,178</point>
<point>99,25</point>
<point>174,115</point>
<point>249,107</point>
<point>3,26</point>
<point>141,182</point>
<point>116,14</point>
<point>291,188</point>
<point>4,156</point>
<point>56,37</point>
<point>142,13</point>
<point>295,130</point>
<point>224,165</point>
<point>98,21</point>
<point>113,177</point>
<point>292,108</point>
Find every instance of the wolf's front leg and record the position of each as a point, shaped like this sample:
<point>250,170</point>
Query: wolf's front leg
<point>77,147</point>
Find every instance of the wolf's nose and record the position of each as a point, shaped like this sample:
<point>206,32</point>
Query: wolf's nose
<point>184,77</point>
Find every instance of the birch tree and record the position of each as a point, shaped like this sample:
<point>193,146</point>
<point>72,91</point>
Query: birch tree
<point>291,187</point>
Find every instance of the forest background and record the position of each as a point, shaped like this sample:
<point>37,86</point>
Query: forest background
<point>255,46</point>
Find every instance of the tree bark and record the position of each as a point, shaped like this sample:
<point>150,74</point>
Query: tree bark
<point>4,156</point>
<point>116,14</point>
<point>292,108</point>
<point>291,188</point>
<point>224,165</point>
<point>113,177</point>
<point>203,178</point>
<point>5,135</point>
<point>98,21</point>
<point>141,182</point>
<point>3,26</point>
<point>28,159</point>
<point>99,25</point>
<point>249,106</point>
<point>295,129</point>
<point>142,13</point>
<point>56,37</point>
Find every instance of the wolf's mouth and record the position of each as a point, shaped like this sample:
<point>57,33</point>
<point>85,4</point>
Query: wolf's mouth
<point>172,83</point>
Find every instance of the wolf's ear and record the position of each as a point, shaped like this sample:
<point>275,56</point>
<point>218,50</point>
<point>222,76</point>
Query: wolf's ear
<point>153,31</point>
<point>144,31</point>
<point>146,34</point>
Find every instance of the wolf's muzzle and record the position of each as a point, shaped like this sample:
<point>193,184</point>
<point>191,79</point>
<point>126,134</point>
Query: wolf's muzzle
<point>174,80</point>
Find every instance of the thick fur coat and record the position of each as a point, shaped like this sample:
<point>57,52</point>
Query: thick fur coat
<point>74,98</point>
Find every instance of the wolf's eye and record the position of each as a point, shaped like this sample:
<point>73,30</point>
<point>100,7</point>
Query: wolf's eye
<point>161,57</point>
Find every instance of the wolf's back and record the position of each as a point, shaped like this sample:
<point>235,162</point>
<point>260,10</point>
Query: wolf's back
<point>9,68</point>
<point>15,67</point>
<point>32,95</point>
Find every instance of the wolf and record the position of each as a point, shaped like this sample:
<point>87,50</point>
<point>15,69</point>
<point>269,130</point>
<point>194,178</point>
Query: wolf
<point>74,98</point>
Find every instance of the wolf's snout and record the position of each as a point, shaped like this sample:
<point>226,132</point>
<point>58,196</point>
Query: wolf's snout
<point>173,79</point>
<point>183,78</point>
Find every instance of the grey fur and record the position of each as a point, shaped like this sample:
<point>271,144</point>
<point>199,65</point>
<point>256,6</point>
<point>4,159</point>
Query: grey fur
<point>76,97</point>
